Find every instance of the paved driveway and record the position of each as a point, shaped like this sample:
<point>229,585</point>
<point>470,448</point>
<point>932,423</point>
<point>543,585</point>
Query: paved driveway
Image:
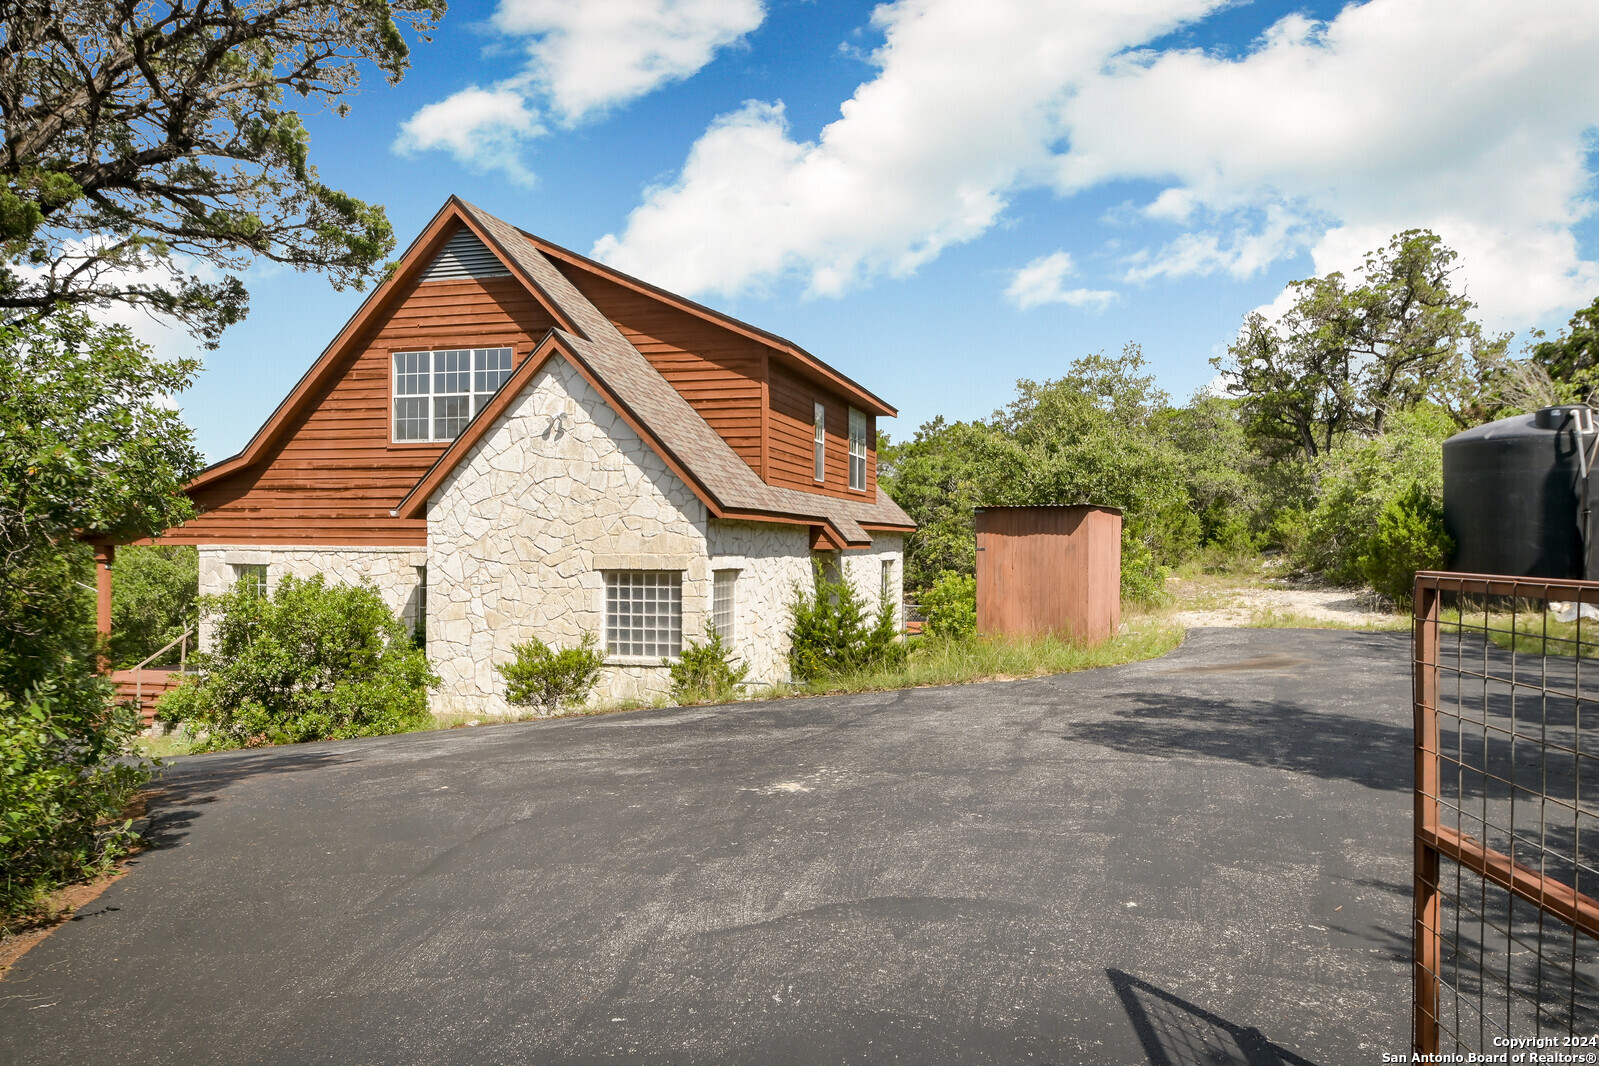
<point>1197,859</point>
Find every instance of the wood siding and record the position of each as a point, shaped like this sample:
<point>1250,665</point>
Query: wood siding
<point>790,457</point>
<point>718,371</point>
<point>1049,569</point>
<point>334,474</point>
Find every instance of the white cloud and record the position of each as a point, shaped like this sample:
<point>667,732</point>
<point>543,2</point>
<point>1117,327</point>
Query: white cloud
<point>588,56</point>
<point>1470,117</point>
<point>483,128</point>
<point>965,107</point>
<point>583,57</point>
<point>1043,282</point>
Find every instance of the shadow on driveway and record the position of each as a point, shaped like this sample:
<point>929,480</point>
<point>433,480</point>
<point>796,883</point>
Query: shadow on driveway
<point>1267,733</point>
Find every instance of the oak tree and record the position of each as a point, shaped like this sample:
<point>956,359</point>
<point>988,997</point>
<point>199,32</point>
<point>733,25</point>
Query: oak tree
<point>151,147</point>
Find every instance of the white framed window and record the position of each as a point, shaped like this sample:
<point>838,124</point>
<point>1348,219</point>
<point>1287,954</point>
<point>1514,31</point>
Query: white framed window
<point>437,393</point>
<point>251,576</point>
<point>722,585</point>
<point>644,613</point>
<point>819,436</point>
<point>857,449</point>
<point>887,593</point>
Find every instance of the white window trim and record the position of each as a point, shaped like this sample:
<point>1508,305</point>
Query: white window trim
<point>819,440</point>
<point>857,448</point>
<point>474,397</point>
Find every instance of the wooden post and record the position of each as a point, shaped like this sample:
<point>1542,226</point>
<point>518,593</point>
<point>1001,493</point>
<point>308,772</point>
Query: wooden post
<point>104,555</point>
<point>1426,931</point>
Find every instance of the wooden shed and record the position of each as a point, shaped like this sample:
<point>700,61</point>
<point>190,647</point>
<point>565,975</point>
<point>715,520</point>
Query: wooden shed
<point>1049,570</point>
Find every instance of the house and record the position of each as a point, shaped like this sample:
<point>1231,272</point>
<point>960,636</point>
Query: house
<point>511,440</point>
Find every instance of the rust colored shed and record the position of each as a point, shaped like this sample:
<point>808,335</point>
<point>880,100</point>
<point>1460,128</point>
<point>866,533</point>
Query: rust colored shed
<point>1049,569</point>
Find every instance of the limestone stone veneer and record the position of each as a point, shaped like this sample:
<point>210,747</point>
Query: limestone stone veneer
<point>559,491</point>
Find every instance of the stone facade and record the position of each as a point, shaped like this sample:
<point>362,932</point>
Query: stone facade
<point>396,572</point>
<point>520,534</point>
<point>558,492</point>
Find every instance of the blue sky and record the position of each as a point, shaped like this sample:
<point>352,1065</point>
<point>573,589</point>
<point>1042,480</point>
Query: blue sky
<point>941,196</point>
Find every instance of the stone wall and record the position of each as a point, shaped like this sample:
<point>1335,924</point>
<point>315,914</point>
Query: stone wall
<point>520,534</point>
<point>771,559</point>
<point>394,571</point>
<point>556,493</point>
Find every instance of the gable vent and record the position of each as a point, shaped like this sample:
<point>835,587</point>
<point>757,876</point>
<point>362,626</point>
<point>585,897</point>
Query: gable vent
<point>464,256</point>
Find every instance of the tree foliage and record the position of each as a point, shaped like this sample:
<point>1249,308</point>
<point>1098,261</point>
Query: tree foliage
<point>147,145</point>
<point>1090,436</point>
<point>309,661</point>
<point>155,592</point>
<point>1349,352</point>
<point>1571,360</point>
<point>87,445</point>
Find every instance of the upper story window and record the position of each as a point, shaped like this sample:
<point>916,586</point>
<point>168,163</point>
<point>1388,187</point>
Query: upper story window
<point>857,449</point>
<point>819,436</point>
<point>437,393</point>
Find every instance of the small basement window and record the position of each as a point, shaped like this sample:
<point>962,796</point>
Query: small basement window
<point>857,449</point>
<point>252,577</point>
<point>723,583</point>
<point>644,613</point>
<point>819,436</point>
<point>437,393</point>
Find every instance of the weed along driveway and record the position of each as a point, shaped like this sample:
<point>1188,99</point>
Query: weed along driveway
<point>1200,858</point>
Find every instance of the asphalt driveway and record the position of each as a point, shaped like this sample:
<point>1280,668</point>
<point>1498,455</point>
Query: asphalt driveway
<point>1203,858</point>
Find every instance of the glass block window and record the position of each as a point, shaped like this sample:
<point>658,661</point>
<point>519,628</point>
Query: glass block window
<point>723,582</point>
<point>437,393</point>
<point>644,613</point>
<point>819,435</point>
<point>857,449</point>
<point>252,577</point>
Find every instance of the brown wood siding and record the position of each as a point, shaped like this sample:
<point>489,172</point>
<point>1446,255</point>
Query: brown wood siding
<point>716,370</point>
<point>1049,569</point>
<point>334,475</point>
<point>790,458</point>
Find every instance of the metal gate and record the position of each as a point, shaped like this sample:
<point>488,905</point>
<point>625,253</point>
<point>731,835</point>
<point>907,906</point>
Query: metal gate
<point>1506,697</point>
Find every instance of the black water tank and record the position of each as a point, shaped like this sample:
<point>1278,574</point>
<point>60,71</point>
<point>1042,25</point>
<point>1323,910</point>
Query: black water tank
<point>1513,495</point>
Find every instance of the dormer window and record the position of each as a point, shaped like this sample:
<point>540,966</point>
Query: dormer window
<point>437,393</point>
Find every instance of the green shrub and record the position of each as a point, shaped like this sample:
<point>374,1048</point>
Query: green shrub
<point>548,679</point>
<point>950,606</point>
<point>830,634</point>
<point>1409,537</point>
<point>64,781</point>
<point>310,661</point>
<point>1357,483</point>
<point>704,673</point>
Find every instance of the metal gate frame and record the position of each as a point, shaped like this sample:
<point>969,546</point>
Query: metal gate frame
<point>1435,841</point>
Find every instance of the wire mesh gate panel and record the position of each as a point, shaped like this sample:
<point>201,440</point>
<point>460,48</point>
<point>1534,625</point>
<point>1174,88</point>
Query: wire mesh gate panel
<point>1506,702</point>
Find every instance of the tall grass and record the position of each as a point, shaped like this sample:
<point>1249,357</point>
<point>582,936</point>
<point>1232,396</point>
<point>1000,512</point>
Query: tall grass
<point>958,661</point>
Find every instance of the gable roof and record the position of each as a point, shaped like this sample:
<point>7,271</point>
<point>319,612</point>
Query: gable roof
<point>657,411</point>
<point>813,366</point>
